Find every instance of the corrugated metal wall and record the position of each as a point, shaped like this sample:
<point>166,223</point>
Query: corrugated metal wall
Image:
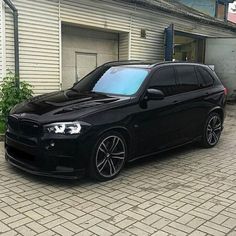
<point>9,37</point>
<point>124,43</point>
<point>38,41</point>
<point>95,13</point>
<point>1,41</point>
<point>99,14</point>
<point>40,33</point>
<point>153,46</point>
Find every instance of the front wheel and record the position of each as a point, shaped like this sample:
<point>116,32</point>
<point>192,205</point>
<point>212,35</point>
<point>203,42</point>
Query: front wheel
<point>108,157</point>
<point>212,130</point>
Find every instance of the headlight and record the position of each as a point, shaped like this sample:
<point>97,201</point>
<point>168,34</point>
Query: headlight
<point>66,128</point>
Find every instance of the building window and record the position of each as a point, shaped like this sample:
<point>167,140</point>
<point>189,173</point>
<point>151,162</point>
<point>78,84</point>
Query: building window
<point>221,9</point>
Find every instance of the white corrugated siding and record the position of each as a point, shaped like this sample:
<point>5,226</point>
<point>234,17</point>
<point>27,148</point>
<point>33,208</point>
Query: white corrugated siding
<point>102,15</point>
<point>124,46</point>
<point>40,40</point>
<point>95,13</point>
<point>112,15</point>
<point>9,37</point>
<point>1,40</point>
<point>155,22</point>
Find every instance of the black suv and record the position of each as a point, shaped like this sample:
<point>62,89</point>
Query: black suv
<point>119,112</point>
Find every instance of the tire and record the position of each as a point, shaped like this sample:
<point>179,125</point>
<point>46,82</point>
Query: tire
<point>212,130</point>
<point>108,156</point>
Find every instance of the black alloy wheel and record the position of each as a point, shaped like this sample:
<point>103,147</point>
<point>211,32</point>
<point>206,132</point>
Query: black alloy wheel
<point>108,157</point>
<point>212,130</point>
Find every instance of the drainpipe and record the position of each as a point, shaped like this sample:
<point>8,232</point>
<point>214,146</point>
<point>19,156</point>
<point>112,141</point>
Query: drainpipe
<point>16,40</point>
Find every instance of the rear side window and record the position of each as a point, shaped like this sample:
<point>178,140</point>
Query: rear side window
<point>204,77</point>
<point>164,80</point>
<point>187,78</point>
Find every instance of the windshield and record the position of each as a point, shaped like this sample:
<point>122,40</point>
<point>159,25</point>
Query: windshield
<point>118,80</point>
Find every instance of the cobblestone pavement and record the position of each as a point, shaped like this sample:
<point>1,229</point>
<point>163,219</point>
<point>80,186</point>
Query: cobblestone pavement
<point>189,191</point>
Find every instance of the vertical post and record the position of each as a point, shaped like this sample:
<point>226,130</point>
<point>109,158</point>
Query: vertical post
<point>169,42</point>
<point>216,8</point>
<point>16,41</point>
<point>3,41</point>
<point>16,49</point>
<point>60,44</point>
<point>226,11</point>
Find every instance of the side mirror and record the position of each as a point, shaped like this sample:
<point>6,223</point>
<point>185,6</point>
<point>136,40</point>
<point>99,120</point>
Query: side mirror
<point>155,94</point>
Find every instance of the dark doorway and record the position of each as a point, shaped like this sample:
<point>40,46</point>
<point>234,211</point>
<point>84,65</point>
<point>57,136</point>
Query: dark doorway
<point>189,48</point>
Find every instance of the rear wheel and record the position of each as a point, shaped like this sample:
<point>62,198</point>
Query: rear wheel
<point>212,130</point>
<point>108,157</point>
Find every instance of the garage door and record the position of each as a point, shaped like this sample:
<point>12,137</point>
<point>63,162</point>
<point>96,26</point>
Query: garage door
<point>83,50</point>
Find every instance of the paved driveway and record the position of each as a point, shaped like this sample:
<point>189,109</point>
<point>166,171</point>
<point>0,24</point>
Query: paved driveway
<point>189,191</point>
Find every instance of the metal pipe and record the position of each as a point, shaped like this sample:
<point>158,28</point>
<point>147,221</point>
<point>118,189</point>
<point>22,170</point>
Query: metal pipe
<point>16,40</point>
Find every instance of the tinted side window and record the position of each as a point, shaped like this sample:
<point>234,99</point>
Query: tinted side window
<point>204,77</point>
<point>187,78</point>
<point>164,80</point>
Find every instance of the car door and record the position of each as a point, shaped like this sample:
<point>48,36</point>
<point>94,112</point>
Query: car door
<point>207,92</point>
<point>190,102</point>
<point>157,122</point>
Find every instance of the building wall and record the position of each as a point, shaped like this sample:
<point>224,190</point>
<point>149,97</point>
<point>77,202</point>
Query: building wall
<point>232,17</point>
<point>40,41</point>
<point>1,41</point>
<point>208,7</point>
<point>9,32</point>
<point>226,70</point>
<point>93,47</point>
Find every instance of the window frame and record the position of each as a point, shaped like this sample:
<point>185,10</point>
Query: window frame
<point>178,81</point>
<point>163,68</point>
<point>225,4</point>
<point>206,70</point>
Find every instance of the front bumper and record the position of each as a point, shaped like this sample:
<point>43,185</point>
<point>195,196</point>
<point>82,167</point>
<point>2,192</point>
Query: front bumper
<point>59,161</point>
<point>75,174</point>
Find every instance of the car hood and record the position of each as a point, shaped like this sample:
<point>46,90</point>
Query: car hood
<point>65,105</point>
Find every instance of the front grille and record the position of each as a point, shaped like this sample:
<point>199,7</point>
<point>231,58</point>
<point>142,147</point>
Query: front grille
<point>22,127</point>
<point>28,128</point>
<point>20,155</point>
<point>27,141</point>
<point>13,124</point>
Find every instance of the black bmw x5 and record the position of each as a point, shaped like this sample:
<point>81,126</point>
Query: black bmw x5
<point>119,112</point>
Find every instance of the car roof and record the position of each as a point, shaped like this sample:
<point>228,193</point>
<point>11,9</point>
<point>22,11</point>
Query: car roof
<point>149,64</point>
<point>136,63</point>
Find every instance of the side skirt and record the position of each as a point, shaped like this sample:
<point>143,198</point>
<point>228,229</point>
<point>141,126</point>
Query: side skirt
<point>164,150</point>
